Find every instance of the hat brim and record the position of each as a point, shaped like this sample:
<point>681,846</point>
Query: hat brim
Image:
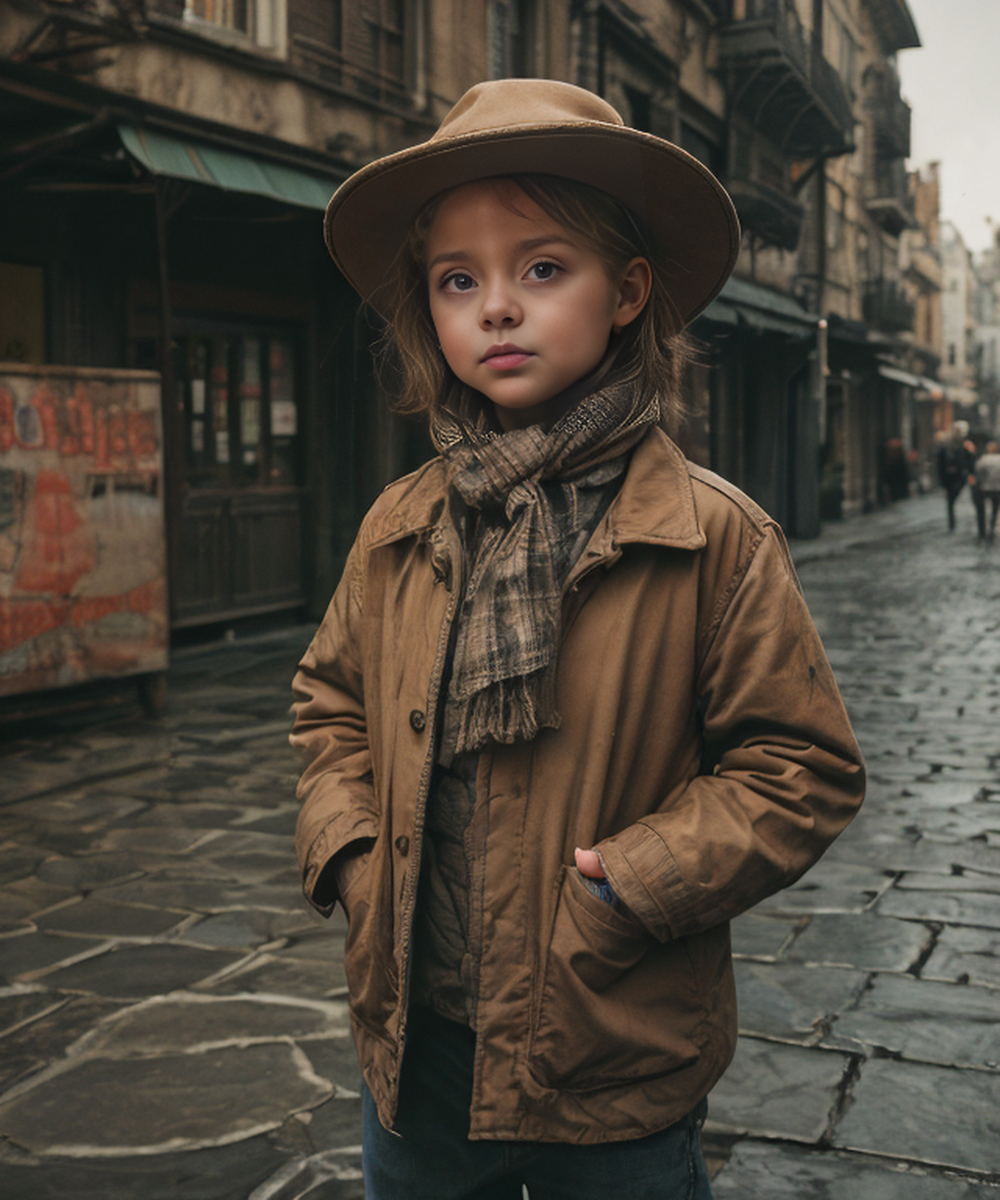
<point>691,218</point>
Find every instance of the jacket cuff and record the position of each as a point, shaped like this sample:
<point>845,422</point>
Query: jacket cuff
<point>327,844</point>
<point>641,869</point>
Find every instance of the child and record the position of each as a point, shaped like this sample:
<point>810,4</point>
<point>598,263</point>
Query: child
<point>567,713</point>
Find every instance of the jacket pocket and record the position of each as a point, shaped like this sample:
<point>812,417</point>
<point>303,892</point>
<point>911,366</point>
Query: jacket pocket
<point>615,1005</point>
<point>369,961</point>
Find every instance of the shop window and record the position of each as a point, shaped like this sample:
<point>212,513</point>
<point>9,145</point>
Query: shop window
<point>241,419</point>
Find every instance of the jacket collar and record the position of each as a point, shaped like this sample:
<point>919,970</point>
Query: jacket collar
<point>655,504</point>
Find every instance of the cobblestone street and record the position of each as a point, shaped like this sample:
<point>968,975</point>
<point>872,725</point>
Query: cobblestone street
<point>173,1023</point>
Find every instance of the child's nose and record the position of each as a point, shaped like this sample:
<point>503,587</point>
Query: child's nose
<point>499,307</point>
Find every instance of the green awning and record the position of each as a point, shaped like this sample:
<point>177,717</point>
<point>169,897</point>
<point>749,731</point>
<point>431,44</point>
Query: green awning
<point>760,308</point>
<point>197,162</point>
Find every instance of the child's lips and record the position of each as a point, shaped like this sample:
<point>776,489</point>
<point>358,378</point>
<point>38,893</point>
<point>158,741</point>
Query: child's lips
<point>506,357</point>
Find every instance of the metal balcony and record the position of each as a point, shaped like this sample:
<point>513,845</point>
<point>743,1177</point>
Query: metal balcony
<point>769,214</point>
<point>780,81</point>
<point>888,202</point>
<point>888,114</point>
<point>886,307</point>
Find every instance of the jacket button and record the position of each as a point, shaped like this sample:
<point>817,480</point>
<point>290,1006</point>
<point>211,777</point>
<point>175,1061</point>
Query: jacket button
<point>418,720</point>
<point>403,844</point>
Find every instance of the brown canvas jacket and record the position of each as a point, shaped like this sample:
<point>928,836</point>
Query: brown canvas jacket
<point>703,750</point>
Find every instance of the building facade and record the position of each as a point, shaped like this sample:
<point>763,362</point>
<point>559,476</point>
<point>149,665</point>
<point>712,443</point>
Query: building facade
<point>163,171</point>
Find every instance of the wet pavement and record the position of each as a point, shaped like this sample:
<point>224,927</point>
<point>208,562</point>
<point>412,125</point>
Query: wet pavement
<point>173,1021</point>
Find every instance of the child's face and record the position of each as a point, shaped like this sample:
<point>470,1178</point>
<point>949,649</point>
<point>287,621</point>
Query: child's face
<point>522,306</point>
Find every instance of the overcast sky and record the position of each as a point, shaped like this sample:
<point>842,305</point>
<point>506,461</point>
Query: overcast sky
<point>952,83</point>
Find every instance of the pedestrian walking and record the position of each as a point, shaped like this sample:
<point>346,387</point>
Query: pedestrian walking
<point>956,465</point>
<point>567,713</point>
<point>988,487</point>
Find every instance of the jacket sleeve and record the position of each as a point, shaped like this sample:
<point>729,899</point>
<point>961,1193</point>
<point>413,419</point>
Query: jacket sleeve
<point>330,732</point>
<point>782,770</point>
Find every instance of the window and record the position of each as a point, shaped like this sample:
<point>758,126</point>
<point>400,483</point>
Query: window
<point>230,14</point>
<point>386,24</point>
<point>240,409</point>
<point>695,142</point>
<point>508,36</point>
<point>261,23</point>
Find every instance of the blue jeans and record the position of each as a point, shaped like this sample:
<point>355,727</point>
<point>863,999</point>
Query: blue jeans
<point>432,1157</point>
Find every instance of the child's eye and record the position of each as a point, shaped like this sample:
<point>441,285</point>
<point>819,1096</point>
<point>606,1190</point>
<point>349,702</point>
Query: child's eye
<point>543,270</point>
<point>458,282</point>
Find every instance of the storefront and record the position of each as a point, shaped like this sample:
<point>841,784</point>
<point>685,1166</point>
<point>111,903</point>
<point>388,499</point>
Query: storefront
<point>133,247</point>
<point>763,426</point>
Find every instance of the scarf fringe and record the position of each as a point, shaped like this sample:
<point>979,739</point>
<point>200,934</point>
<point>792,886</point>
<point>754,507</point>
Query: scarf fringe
<point>507,711</point>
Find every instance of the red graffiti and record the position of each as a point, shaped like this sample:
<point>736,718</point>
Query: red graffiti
<point>45,402</point>
<point>7,434</point>
<point>141,434</point>
<point>59,548</point>
<point>21,620</point>
<point>85,414</point>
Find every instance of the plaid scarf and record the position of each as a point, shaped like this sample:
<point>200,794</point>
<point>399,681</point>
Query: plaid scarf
<point>503,676</point>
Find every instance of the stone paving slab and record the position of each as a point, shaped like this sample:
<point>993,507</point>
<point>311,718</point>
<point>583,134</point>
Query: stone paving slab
<point>966,956</point>
<point>758,936</point>
<point>961,909</point>
<point>830,887</point>
<point>135,972</point>
<point>774,1090</point>
<point>94,916</point>
<point>967,881</point>
<point>34,1046</point>
<point>915,1019</point>
<point>24,955</point>
<point>220,1173</point>
<point>869,942</point>
<point>787,1001</point>
<point>217,1096</point>
<point>928,1114</point>
<point>83,874</point>
<point>271,974</point>
<point>189,1021</point>
<point>768,1172</point>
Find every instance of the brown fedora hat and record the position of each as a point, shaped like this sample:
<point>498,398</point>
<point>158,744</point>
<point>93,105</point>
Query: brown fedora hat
<point>542,126</point>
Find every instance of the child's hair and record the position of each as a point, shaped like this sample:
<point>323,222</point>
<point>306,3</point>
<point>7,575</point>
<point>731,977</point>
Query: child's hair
<point>652,349</point>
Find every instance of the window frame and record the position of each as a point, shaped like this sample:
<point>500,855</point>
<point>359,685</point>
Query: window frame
<point>266,32</point>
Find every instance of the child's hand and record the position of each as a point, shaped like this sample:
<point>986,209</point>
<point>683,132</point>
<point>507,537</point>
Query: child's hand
<point>587,863</point>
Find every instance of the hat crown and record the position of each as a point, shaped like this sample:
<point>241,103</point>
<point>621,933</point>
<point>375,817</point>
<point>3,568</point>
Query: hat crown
<point>489,108</point>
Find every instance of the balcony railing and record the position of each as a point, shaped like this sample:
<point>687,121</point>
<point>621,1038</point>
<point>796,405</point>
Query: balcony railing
<point>889,202</point>
<point>887,307</point>
<point>889,115</point>
<point>780,81</point>
<point>767,213</point>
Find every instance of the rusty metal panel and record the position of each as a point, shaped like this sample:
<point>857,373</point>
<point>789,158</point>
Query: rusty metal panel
<point>83,587</point>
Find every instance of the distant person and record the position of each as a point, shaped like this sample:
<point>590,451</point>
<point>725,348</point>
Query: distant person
<point>956,466</point>
<point>988,487</point>
<point>897,471</point>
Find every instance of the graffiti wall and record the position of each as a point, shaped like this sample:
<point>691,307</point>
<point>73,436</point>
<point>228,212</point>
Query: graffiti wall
<point>82,543</point>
